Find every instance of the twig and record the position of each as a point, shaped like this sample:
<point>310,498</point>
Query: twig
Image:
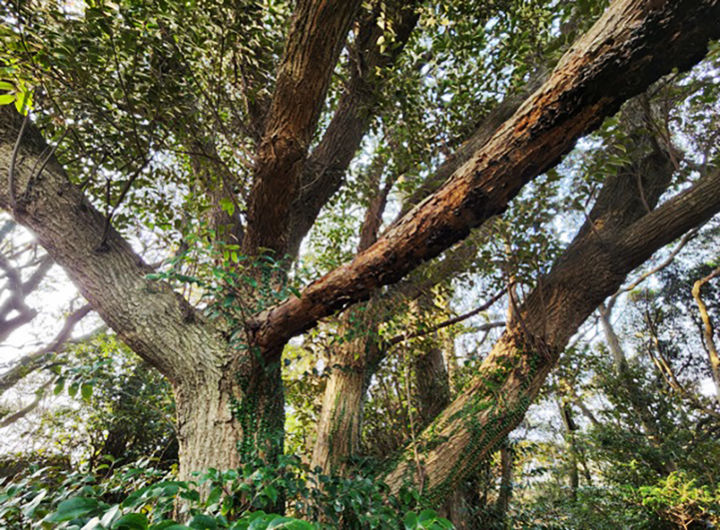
<point>406,336</point>
<point>13,160</point>
<point>685,239</point>
<point>12,418</point>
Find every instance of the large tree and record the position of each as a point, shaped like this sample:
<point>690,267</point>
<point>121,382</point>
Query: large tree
<point>264,136</point>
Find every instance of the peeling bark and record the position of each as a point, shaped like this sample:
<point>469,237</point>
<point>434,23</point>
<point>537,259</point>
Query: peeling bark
<point>632,45</point>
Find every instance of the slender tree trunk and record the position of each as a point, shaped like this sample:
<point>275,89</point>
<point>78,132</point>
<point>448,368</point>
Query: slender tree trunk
<point>354,362</point>
<point>570,428</point>
<point>708,331</point>
<point>340,423</point>
<point>635,397</point>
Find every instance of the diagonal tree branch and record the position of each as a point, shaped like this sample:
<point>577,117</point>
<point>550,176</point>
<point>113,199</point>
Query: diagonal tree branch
<point>154,321</point>
<point>592,268</point>
<point>633,44</point>
<point>316,37</point>
<point>17,415</point>
<point>324,171</point>
<point>33,361</point>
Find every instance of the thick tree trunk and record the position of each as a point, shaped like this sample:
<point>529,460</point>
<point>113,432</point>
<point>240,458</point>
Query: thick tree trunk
<point>228,420</point>
<point>210,378</point>
<point>353,363</point>
<point>338,434</point>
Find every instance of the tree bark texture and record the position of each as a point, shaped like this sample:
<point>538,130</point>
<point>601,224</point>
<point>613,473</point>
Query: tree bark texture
<point>155,322</point>
<point>632,45</point>
<point>316,36</point>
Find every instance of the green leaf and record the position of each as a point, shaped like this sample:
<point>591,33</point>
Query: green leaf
<point>72,509</point>
<point>6,99</point>
<point>23,102</point>
<point>271,492</point>
<point>227,205</point>
<point>169,525</point>
<point>214,496</point>
<point>110,516</point>
<point>86,390</point>
<point>131,521</point>
<point>59,385</point>
<point>288,523</point>
<point>203,522</point>
<point>410,521</point>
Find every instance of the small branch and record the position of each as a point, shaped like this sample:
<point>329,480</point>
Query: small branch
<point>13,160</point>
<point>33,361</point>
<point>685,239</point>
<point>407,336</point>
<point>12,418</point>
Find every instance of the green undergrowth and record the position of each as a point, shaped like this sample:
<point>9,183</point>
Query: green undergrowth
<point>140,497</point>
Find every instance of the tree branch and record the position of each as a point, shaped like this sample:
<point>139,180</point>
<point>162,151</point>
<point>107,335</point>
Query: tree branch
<point>708,331</point>
<point>325,168</point>
<point>316,37</point>
<point>31,362</point>
<point>15,416</point>
<point>512,375</point>
<point>154,321</point>
<point>631,46</point>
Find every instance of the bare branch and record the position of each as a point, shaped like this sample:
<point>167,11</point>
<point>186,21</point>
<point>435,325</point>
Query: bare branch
<point>15,416</point>
<point>456,320</point>
<point>708,331</point>
<point>31,362</point>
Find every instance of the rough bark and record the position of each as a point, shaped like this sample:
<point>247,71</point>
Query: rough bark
<point>606,249</point>
<point>340,422</point>
<point>633,44</point>
<point>491,123</point>
<point>316,36</point>
<point>432,385</point>
<point>324,170</point>
<point>352,363</point>
<point>155,322</point>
